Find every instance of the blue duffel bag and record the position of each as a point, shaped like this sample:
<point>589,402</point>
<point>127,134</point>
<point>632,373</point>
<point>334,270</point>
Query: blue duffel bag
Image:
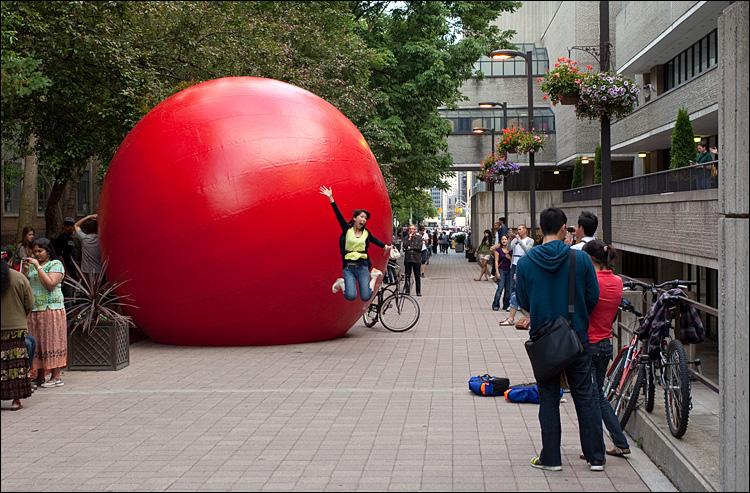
<point>488,385</point>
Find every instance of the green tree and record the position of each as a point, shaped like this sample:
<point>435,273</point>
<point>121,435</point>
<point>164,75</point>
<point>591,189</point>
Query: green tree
<point>111,62</point>
<point>425,51</point>
<point>683,146</point>
<point>598,164</point>
<point>577,181</point>
<point>416,204</point>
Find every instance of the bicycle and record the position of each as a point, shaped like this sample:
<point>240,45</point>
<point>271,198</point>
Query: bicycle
<point>396,310</point>
<point>624,379</point>
<point>669,366</point>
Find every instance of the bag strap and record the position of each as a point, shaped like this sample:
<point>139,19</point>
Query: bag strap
<point>572,284</point>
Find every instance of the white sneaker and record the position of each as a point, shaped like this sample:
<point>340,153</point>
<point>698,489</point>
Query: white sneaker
<point>338,285</point>
<point>375,273</point>
<point>372,284</point>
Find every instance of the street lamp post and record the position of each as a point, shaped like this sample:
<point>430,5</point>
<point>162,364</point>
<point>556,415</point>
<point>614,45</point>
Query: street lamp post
<point>504,105</point>
<point>480,130</point>
<point>505,55</point>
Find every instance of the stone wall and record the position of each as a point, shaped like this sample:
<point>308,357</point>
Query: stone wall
<point>519,209</point>
<point>680,227</point>
<point>734,230</point>
<point>634,34</point>
<point>699,94</point>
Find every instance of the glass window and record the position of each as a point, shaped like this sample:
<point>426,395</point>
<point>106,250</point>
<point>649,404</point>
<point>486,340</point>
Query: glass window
<point>12,198</point>
<point>43,189</point>
<point>83,201</point>
<point>712,49</point>
<point>703,55</point>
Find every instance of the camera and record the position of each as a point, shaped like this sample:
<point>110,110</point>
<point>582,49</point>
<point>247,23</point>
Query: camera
<point>571,230</point>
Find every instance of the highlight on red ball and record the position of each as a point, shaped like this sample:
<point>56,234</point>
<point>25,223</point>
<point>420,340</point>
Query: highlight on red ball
<point>211,210</point>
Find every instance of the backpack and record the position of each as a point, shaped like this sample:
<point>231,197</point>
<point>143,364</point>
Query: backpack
<point>524,394</point>
<point>488,385</point>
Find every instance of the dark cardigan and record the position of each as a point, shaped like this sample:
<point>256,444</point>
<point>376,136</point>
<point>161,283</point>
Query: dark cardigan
<point>345,226</point>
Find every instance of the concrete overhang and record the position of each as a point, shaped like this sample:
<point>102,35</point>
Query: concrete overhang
<point>704,122</point>
<point>696,23</point>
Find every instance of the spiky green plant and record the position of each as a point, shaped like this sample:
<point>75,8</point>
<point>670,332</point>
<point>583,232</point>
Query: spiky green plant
<point>95,300</point>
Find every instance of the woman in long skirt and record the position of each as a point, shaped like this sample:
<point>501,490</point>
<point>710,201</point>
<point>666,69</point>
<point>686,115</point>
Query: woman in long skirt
<point>17,303</point>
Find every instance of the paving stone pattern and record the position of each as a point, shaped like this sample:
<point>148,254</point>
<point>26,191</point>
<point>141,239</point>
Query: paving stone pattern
<point>373,410</point>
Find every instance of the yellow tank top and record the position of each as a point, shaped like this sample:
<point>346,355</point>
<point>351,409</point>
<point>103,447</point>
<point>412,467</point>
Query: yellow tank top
<point>355,247</point>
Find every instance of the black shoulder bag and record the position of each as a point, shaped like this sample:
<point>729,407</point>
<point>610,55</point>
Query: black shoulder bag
<point>555,345</point>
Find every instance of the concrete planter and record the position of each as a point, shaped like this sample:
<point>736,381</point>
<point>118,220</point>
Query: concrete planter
<point>459,247</point>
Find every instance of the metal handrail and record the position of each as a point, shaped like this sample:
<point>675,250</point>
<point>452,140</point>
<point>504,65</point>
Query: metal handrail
<point>694,177</point>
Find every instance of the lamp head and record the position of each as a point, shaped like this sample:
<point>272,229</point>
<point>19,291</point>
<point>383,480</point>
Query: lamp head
<point>506,54</point>
<point>489,104</point>
<point>479,130</point>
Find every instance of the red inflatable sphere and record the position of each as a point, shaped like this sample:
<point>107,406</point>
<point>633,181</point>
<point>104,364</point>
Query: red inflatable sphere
<point>211,209</point>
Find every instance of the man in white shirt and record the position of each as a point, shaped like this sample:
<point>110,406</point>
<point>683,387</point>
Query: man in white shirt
<point>519,246</point>
<point>587,224</point>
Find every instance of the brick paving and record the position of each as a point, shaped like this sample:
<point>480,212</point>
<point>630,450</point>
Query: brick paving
<point>371,411</point>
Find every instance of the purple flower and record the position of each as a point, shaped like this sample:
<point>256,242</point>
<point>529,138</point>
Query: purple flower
<point>604,98</point>
<point>626,83</point>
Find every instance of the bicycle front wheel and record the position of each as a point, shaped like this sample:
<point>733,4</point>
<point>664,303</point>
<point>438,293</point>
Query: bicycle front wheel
<point>631,388</point>
<point>399,312</point>
<point>677,389</point>
<point>612,380</point>
<point>649,386</point>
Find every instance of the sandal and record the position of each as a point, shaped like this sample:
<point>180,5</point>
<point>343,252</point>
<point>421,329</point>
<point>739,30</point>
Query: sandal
<point>507,321</point>
<point>16,405</point>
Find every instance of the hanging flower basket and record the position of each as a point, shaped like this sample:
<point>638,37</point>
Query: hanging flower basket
<point>569,99</point>
<point>606,93</point>
<point>495,168</point>
<point>518,140</point>
<point>563,81</point>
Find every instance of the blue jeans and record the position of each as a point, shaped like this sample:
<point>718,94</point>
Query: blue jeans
<point>357,274</point>
<point>589,414</point>
<point>30,348</point>
<point>601,354</point>
<point>503,289</point>
<point>513,280</point>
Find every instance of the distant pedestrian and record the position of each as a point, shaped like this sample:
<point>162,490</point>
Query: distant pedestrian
<point>542,287</point>
<point>444,242</point>
<point>425,249</point>
<point>26,247</point>
<point>435,240</point>
<point>484,255</point>
<point>47,321</point>
<point>87,230</point>
<point>503,258</point>
<point>503,230</point>
<point>519,245</point>
<point>354,243</point>
<point>600,335</point>
<point>413,259</point>
<point>17,301</point>
<point>65,247</point>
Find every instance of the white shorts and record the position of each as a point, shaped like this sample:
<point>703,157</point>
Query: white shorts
<point>485,257</point>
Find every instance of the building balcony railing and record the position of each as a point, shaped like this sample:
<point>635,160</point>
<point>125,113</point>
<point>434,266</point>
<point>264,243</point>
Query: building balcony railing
<point>696,177</point>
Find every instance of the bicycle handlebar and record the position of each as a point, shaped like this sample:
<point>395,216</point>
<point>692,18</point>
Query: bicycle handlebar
<point>653,287</point>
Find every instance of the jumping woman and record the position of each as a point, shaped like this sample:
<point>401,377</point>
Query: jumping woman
<point>354,241</point>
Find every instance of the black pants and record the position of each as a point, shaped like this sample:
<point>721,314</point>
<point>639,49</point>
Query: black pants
<point>416,267</point>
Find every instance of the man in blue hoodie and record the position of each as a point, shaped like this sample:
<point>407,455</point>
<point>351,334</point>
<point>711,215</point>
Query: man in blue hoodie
<point>542,280</point>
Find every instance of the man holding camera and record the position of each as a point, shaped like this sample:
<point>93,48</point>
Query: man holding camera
<point>587,224</point>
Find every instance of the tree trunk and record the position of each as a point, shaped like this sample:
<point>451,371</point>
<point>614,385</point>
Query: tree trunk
<point>68,204</point>
<point>27,209</point>
<point>52,213</point>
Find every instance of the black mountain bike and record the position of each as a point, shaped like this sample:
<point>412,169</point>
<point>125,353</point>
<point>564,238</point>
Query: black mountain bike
<point>396,310</point>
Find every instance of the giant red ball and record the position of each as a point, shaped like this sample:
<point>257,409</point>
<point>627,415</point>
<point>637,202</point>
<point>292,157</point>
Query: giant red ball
<point>212,212</point>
